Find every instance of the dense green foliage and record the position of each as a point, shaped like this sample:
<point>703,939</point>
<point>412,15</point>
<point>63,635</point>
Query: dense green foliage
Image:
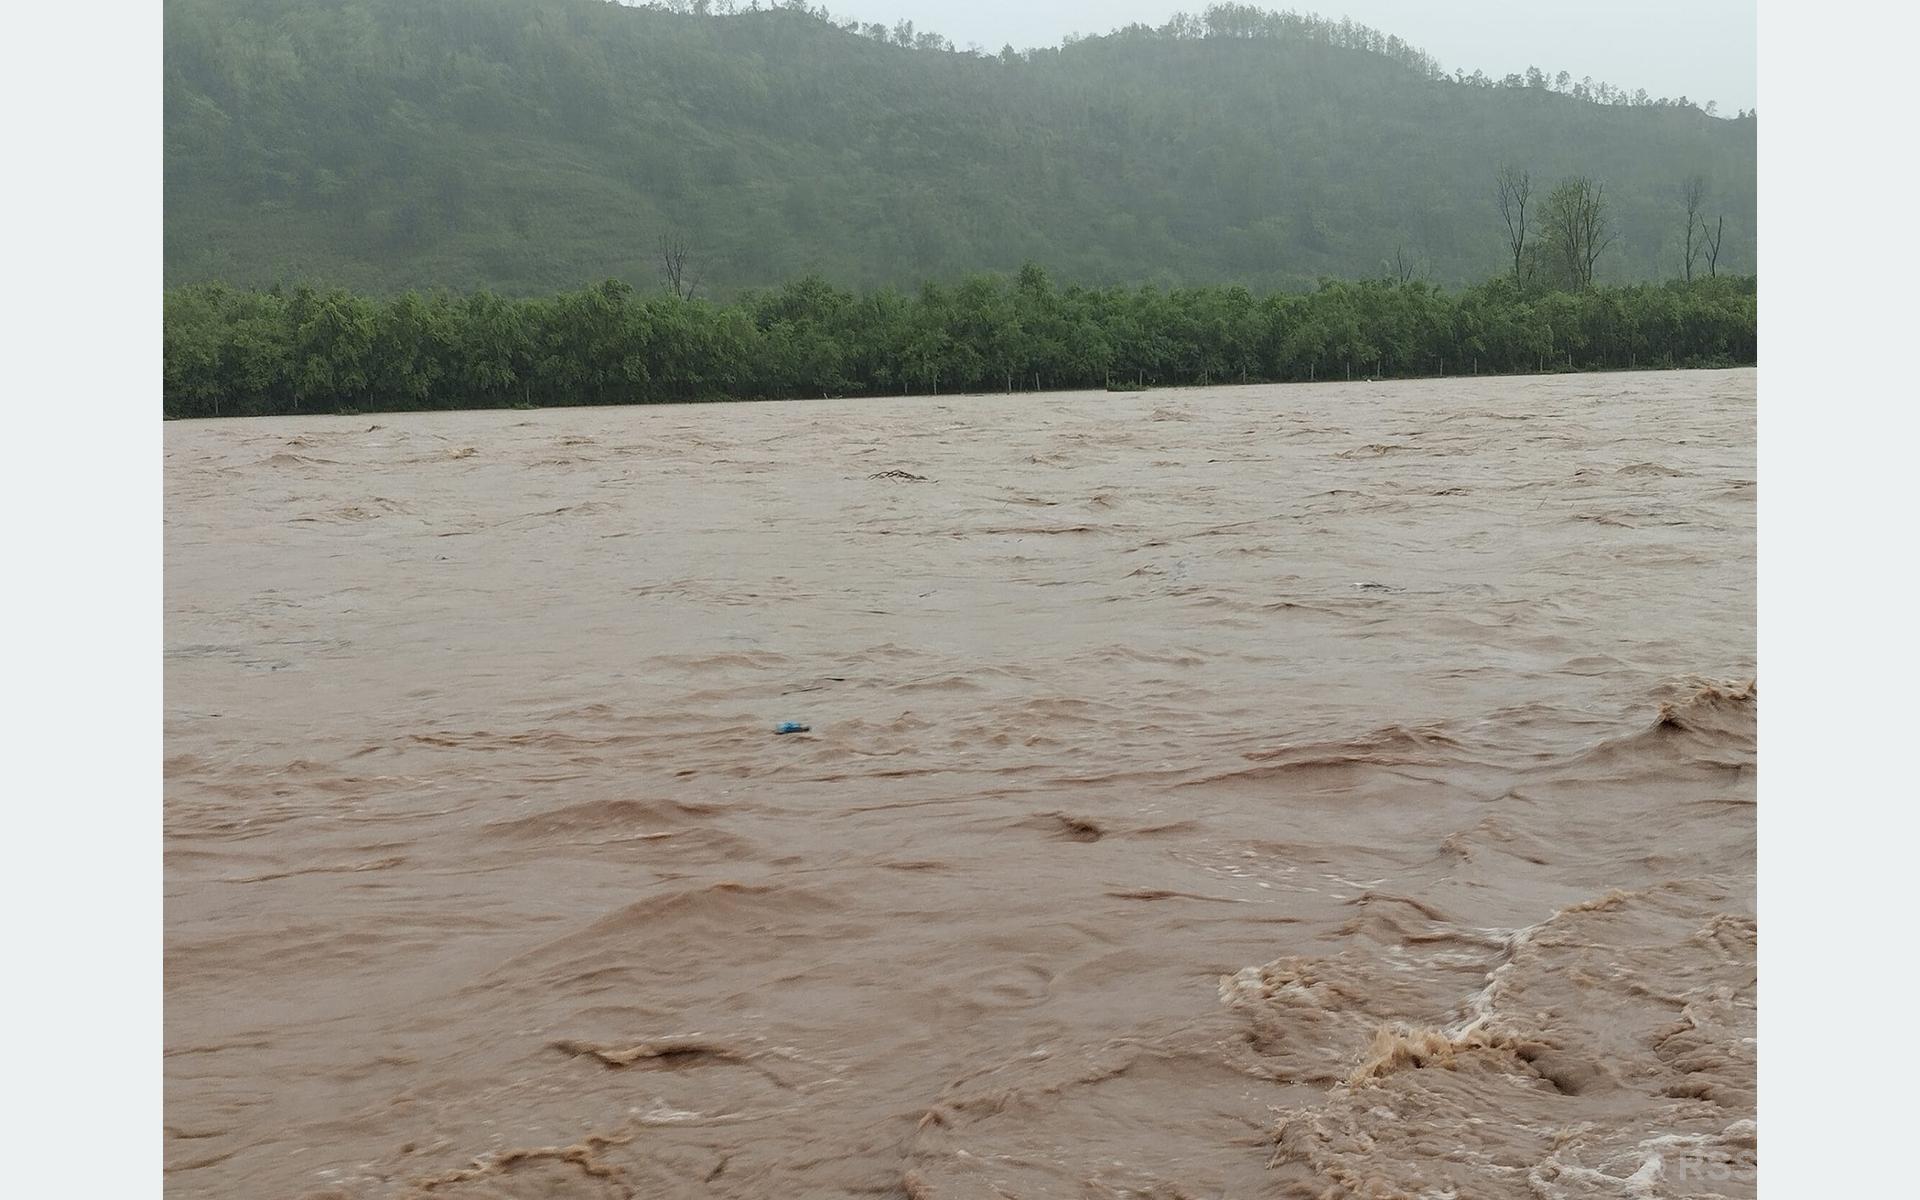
<point>234,353</point>
<point>531,145</point>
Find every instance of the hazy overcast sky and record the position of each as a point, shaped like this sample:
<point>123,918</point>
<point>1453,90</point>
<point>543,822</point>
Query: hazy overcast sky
<point>1701,49</point>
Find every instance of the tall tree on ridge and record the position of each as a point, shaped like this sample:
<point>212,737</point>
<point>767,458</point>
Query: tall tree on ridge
<point>1713,244</point>
<point>675,261</point>
<point>1693,194</point>
<point>1515,189</point>
<point>1578,227</point>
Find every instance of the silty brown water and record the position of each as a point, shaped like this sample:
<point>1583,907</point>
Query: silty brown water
<point>1269,791</point>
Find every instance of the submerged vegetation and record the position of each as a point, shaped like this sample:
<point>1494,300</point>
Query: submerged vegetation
<point>232,352</point>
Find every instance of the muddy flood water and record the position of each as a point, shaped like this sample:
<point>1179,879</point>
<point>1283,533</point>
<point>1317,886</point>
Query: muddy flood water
<point>1338,790</point>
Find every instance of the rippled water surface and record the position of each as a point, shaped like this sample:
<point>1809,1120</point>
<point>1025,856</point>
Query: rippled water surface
<point>1270,791</point>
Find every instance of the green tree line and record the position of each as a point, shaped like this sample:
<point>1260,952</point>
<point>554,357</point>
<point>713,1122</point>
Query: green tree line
<point>1229,20</point>
<point>243,352</point>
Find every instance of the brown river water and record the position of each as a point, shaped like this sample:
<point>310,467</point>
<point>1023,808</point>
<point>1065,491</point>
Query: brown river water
<point>1337,790</point>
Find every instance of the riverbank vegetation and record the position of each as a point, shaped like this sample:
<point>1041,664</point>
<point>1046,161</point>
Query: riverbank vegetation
<point>241,352</point>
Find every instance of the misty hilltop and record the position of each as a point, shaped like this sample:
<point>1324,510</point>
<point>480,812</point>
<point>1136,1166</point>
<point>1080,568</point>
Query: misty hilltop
<point>527,145</point>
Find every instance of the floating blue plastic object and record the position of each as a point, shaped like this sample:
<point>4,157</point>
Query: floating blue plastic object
<point>791,727</point>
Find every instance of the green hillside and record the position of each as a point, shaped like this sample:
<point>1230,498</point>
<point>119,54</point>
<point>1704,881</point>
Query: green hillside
<point>533,145</point>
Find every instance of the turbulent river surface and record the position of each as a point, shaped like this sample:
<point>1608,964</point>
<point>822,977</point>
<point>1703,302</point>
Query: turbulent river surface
<point>1337,790</point>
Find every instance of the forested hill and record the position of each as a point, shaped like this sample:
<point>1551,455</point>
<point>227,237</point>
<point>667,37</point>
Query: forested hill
<point>531,145</point>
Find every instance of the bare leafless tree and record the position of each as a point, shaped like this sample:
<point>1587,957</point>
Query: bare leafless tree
<point>1578,227</point>
<point>1712,238</point>
<point>1597,232</point>
<point>1693,194</point>
<point>676,261</point>
<point>1401,269</point>
<point>1515,189</point>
